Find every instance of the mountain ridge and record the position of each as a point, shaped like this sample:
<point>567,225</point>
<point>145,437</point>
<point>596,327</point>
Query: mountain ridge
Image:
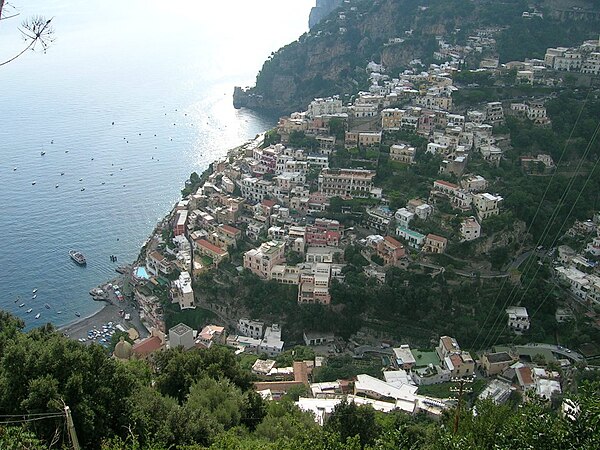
<point>330,59</point>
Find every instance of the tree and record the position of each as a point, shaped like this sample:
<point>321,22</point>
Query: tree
<point>17,438</point>
<point>349,420</point>
<point>37,31</point>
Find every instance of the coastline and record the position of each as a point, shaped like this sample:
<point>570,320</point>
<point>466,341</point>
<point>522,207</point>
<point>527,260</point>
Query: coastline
<point>110,312</point>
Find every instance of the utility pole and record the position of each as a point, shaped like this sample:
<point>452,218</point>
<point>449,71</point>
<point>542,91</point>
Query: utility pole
<point>71,428</point>
<point>461,389</point>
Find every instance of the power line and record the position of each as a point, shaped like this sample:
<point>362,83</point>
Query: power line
<point>548,226</point>
<point>536,211</point>
<point>33,419</point>
<point>30,414</point>
<point>555,239</point>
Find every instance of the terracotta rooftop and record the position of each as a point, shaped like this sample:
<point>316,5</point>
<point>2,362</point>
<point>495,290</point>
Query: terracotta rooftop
<point>435,237</point>
<point>446,183</point>
<point>393,242</point>
<point>524,376</point>
<point>211,247</point>
<point>147,346</point>
<point>229,229</point>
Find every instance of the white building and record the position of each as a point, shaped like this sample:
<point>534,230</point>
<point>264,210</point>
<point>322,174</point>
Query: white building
<point>325,106</point>
<point>255,189</point>
<point>403,217</point>
<point>470,229</point>
<point>518,319</point>
<point>487,205</point>
<point>494,113</point>
<point>271,343</point>
<point>262,259</point>
<point>182,291</point>
<point>251,328</point>
<point>402,153</point>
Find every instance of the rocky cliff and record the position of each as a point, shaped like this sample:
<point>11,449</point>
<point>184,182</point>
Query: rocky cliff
<point>331,58</point>
<point>321,10</point>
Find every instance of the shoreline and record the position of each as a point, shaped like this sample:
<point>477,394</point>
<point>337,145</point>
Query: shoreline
<point>79,320</point>
<point>110,312</point>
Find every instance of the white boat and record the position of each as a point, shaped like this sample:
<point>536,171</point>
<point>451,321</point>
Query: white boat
<point>33,296</point>
<point>34,291</point>
<point>37,316</point>
<point>29,310</point>
<point>42,153</point>
<point>77,257</point>
<point>21,305</point>
<point>33,183</point>
<point>82,189</point>
<point>58,312</point>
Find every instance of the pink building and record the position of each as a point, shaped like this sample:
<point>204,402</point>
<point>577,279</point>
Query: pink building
<point>180,222</point>
<point>324,233</point>
<point>390,250</point>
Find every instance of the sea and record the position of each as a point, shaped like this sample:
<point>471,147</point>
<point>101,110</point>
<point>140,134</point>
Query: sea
<point>129,99</point>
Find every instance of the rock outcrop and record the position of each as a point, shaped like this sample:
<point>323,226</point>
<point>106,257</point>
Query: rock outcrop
<point>322,9</point>
<point>332,57</point>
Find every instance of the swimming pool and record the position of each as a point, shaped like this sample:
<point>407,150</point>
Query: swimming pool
<point>141,272</point>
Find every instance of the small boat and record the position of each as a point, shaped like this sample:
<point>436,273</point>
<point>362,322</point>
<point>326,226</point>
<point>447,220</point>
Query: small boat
<point>81,179</point>
<point>47,306</point>
<point>77,257</point>
<point>37,316</point>
<point>29,310</point>
<point>62,173</point>
<point>21,305</point>
<point>78,314</point>
<point>82,189</point>
<point>14,169</point>
<point>56,186</point>
<point>33,183</point>
<point>33,296</point>
<point>58,312</point>
<point>42,153</point>
<point>34,291</point>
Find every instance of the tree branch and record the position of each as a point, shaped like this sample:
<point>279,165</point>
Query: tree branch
<point>18,54</point>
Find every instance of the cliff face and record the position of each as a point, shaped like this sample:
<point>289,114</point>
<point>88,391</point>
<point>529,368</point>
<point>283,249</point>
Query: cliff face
<point>331,58</point>
<point>322,9</point>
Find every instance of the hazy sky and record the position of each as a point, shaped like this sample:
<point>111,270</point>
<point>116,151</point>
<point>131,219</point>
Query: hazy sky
<point>231,35</point>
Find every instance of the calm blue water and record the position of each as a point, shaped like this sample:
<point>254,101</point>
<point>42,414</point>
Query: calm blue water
<point>164,74</point>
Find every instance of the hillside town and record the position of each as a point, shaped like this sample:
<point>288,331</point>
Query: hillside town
<point>287,205</point>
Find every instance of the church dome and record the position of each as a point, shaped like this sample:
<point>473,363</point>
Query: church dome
<point>123,350</point>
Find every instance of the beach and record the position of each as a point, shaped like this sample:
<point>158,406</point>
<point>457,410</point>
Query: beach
<point>112,311</point>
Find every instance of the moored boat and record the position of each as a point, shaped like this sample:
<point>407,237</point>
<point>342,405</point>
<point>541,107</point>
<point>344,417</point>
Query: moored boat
<point>77,257</point>
<point>37,316</point>
<point>78,314</point>
<point>29,310</point>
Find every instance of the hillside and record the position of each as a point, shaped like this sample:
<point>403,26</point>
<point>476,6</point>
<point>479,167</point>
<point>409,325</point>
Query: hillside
<point>330,59</point>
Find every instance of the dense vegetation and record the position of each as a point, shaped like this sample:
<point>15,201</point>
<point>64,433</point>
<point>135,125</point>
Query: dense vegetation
<point>202,399</point>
